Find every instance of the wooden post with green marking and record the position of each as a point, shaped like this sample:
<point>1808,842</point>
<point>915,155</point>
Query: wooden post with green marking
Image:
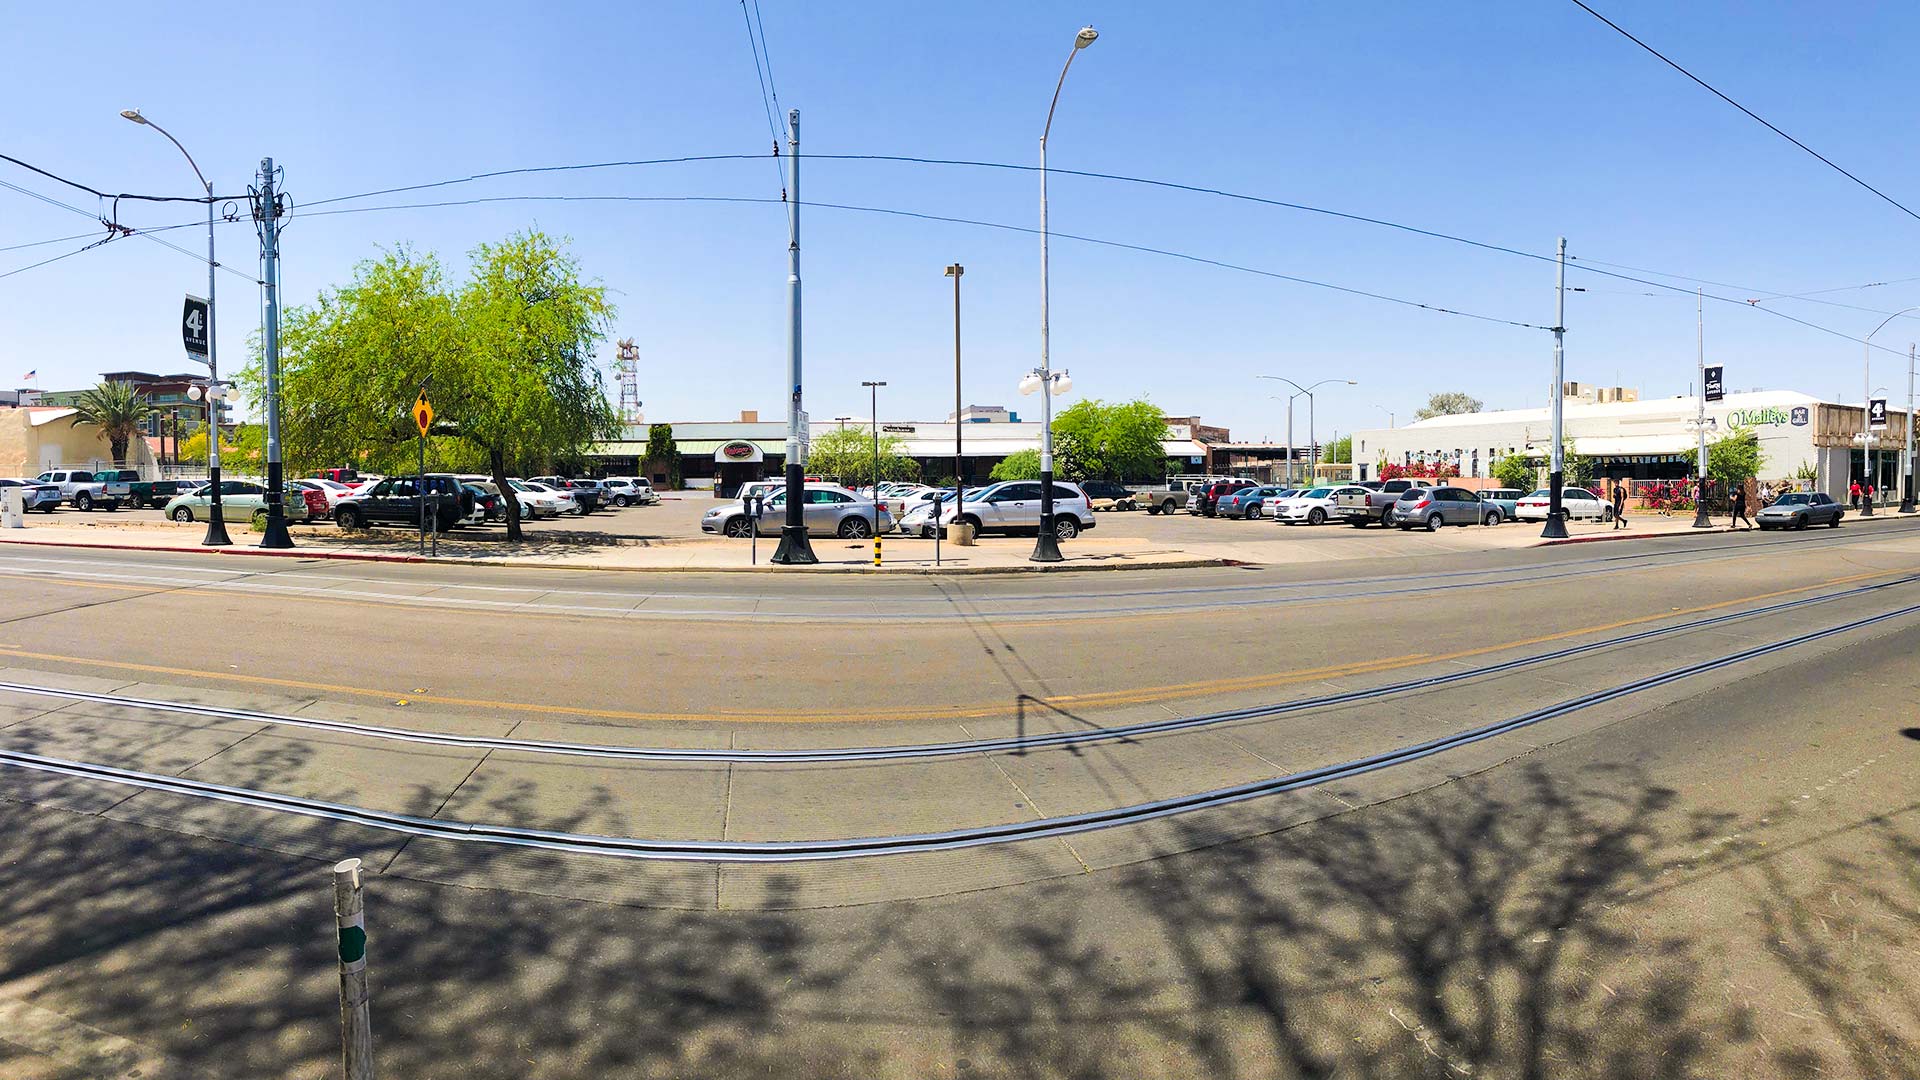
<point>356,1027</point>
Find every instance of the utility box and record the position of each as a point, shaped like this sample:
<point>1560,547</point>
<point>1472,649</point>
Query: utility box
<point>13,508</point>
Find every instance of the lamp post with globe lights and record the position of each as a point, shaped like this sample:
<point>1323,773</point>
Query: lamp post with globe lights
<point>213,394</point>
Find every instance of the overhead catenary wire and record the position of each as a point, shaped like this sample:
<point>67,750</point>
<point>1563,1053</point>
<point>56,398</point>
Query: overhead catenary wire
<point>116,228</point>
<point>98,194</point>
<point>1710,88</point>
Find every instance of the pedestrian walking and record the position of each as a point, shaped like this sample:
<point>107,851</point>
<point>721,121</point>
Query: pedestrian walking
<point>1853,494</point>
<point>1619,505</point>
<point>1766,494</point>
<point>1739,508</point>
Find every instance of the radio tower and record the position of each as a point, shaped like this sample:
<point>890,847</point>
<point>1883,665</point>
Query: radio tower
<point>627,368</point>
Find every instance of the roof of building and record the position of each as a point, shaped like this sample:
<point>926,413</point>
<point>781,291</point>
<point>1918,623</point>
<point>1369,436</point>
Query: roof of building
<point>1645,408</point>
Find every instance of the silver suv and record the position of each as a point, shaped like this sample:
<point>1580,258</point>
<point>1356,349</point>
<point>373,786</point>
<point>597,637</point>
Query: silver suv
<point>1010,506</point>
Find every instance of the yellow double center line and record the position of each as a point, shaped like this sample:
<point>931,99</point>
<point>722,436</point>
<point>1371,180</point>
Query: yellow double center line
<point>1106,698</point>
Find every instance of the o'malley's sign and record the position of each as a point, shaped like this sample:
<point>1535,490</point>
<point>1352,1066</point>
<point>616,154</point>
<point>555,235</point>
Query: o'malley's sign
<point>1769,417</point>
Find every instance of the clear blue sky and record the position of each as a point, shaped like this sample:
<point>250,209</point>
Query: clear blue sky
<point>1511,122</point>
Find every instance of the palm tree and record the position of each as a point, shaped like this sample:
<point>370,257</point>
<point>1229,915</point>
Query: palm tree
<point>118,410</point>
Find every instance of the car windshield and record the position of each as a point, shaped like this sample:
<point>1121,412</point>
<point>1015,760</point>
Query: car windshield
<point>1794,499</point>
<point>1543,493</point>
<point>976,494</point>
<point>1413,494</point>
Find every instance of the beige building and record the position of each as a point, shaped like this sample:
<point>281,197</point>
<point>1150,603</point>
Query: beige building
<point>36,438</point>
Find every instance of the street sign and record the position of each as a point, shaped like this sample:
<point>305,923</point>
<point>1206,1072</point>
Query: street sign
<point>1716,389</point>
<point>1877,414</point>
<point>195,320</point>
<point>423,413</point>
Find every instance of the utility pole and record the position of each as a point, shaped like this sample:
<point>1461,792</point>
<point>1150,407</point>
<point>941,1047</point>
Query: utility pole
<point>873,388</point>
<point>1700,520</point>
<point>1906,459</point>
<point>266,211</point>
<point>1556,471</point>
<point>795,549</point>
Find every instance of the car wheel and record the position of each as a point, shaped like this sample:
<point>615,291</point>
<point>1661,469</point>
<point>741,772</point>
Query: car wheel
<point>1433,522</point>
<point>1800,521</point>
<point>1253,512</point>
<point>737,527</point>
<point>1316,516</point>
<point>973,523</point>
<point>1124,504</point>
<point>1152,510</point>
<point>1835,523</point>
<point>347,517</point>
<point>183,514</point>
<point>1358,523</point>
<point>1066,528</point>
<point>83,502</point>
<point>1493,517</point>
<point>1167,507</point>
<point>855,528</point>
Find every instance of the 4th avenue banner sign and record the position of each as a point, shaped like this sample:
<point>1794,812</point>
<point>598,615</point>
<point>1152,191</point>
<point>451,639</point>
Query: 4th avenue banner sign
<point>196,321</point>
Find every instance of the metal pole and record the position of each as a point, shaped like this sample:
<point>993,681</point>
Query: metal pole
<point>1906,458</point>
<point>356,1024</point>
<point>1700,519</point>
<point>1556,471</point>
<point>959,471</point>
<point>420,492</point>
<point>1866,427</point>
<point>874,389</point>
<point>269,212</point>
<point>1313,446</point>
<point>795,549</point>
<point>1290,398</point>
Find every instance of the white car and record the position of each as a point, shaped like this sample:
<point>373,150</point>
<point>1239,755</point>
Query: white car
<point>629,491</point>
<point>539,500</point>
<point>1314,506</point>
<point>334,490</point>
<point>1577,502</point>
<point>39,496</point>
<point>1009,506</point>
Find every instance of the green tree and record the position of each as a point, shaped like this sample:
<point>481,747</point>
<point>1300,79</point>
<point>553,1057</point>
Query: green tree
<point>1094,439</point>
<point>1516,471</point>
<point>1019,465</point>
<point>1339,451</point>
<point>1447,403</point>
<point>661,448</point>
<point>846,454</point>
<point>1581,470</point>
<point>1732,459</point>
<point>118,410</point>
<point>510,356</point>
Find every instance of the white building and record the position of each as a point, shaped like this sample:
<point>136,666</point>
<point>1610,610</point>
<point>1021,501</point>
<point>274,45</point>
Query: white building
<point>1648,440</point>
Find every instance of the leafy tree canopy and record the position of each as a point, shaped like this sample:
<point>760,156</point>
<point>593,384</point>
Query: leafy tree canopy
<point>846,454</point>
<point>1019,465</point>
<point>1094,439</point>
<point>1516,471</point>
<point>1339,451</point>
<point>1448,403</point>
<point>1732,459</point>
<point>118,410</point>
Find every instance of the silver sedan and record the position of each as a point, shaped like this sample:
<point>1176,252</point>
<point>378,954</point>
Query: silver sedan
<point>830,510</point>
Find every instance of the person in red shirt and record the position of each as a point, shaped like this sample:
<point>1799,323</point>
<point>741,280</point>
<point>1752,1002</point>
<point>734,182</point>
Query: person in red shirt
<point>1853,494</point>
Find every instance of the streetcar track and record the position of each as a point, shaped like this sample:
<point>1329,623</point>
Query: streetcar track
<point>783,851</point>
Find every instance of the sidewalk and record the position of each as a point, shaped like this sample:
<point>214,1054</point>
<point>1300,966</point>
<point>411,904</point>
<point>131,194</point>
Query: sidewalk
<point>1000,555</point>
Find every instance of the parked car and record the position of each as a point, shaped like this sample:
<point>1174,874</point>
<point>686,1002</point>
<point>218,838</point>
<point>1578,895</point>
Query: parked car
<point>1576,502</point>
<point>1207,503</point>
<point>563,501</point>
<point>397,500</point>
<point>1107,495</point>
<point>829,510</point>
<point>1314,506</point>
<point>1504,499</point>
<point>79,488</point>
<point>1247,503</point>
<point>1433,507</point>
<point>125,487</point>
<point>1799,509</point>
<point>1376,504</point>
<point>1010,506</point>
<point>538,501</point>
<point>38,496</point>
<point>586,494</point>
<point>1176,493</point>
<point>240,500</point>
<point>628,491</point>
<point>313,496</point>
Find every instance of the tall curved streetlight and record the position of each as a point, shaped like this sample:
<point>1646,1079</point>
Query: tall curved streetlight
<point>1866,423</point>
<point>216,525</point>
<point>1307,391</point>
<point>1046,547</point>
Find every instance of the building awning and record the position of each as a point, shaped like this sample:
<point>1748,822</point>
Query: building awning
<point>1635,445</point>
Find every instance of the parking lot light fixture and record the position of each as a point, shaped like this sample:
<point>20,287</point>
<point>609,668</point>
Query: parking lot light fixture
<point>1307,392</point>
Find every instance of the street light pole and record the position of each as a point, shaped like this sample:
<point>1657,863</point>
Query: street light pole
<point>1556,472</point>
<point>1046,547</point>
<point>959,472</point>
<point>795,549</point>
<point>1700,519</point>
<point>1906,457</point>
<point>216,524</point>
<point>874,389</point>
<point>1307,391</point>
<point>268,209</point>
<point>1866,405</point>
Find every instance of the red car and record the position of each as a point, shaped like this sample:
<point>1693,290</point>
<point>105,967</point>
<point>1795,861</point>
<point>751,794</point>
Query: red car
<point>1209,500</point>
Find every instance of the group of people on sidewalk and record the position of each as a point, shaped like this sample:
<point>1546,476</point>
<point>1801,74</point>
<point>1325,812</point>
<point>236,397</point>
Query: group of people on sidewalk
<point>1738,504</point>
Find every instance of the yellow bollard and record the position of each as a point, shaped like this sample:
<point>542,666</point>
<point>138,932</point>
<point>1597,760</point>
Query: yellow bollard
<point>876,553</point>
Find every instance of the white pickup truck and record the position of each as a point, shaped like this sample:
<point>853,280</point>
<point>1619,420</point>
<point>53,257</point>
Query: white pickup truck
<point>79,488</point>
<point>1361,509</point>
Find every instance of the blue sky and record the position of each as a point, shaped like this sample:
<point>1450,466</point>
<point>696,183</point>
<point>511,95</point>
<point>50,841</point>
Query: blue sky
<point>1509,122</point>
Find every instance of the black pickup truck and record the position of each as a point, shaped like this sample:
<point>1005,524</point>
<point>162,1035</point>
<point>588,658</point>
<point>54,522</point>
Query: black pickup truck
<point>394,501</point>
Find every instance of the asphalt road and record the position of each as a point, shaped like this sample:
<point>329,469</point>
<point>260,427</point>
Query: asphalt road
<point>1711,876</point>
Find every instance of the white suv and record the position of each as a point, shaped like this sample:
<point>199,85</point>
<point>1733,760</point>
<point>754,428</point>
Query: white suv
<point>1010,506</point>
<point>630,491</point>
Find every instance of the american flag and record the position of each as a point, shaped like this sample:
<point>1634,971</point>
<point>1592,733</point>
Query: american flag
<point>34,374</point>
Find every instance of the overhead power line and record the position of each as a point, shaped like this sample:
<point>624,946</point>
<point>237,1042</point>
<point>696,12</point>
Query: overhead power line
<point>1710,88</point>
<point>97,193</point>
<point>115,228</point>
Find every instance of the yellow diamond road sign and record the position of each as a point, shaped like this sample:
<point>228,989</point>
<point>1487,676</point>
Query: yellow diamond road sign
<point>423,413</point>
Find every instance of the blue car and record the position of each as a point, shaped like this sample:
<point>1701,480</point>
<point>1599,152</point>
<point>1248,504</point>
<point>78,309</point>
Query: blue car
<point>1504,498</point>
<point>1250,502</point>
